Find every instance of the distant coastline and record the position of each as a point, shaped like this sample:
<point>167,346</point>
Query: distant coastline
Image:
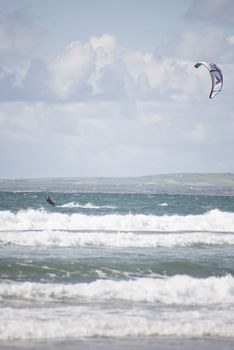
<point>185,183</point>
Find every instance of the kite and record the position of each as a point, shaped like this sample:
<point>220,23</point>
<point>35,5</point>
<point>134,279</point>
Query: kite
<point>216,77</point>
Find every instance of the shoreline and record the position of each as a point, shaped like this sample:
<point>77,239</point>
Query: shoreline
<point>151,343</point>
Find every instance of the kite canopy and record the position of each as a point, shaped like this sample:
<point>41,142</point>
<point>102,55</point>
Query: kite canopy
<point>216,77</point>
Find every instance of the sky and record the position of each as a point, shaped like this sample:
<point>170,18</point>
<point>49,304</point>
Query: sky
<point>108,88</point>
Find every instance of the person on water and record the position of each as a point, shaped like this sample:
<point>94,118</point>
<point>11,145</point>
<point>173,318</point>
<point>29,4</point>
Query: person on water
<point>49,200</point>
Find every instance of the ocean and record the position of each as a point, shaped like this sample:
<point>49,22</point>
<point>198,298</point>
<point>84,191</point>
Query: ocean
<point>116,271</point>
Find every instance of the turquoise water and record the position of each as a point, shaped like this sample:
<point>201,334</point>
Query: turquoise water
<point>116,266</point>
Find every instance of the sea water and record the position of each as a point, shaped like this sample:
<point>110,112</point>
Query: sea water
<point>116,270</point>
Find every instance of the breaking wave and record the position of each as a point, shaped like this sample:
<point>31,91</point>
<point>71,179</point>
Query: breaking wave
<point>114,239</point>
<point>214,220</point>
<point>190,308</point>
<point>176,290</point>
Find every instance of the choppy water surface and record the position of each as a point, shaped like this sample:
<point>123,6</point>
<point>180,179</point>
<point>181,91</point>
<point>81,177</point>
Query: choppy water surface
<point>116,266</point>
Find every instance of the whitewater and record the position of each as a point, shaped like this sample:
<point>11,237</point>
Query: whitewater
<point>214,220</point>
<point>105,269</point>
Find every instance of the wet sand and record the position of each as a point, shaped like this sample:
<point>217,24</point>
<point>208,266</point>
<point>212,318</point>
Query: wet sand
<point>116,344</point>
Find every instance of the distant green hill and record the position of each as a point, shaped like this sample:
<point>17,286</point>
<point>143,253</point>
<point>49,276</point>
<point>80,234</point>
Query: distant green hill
<point>210,183</point>
<point>190,179</point>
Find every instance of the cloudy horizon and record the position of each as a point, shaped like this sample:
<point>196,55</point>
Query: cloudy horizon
<point>96,88</point>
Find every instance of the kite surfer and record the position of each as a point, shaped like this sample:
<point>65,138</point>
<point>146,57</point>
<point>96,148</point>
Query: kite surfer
<point>49,200</point>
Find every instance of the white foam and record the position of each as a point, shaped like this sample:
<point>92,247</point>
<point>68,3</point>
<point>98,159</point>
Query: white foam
<point>121,320</point>
<point>214,220</point>
<point>85,206</point>
<point>115,239</point>
<point>179,306</point>
<point>176,290</point>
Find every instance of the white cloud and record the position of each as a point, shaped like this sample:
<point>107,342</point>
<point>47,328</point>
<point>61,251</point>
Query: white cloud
<point>106,42</point>
<point>72,70</point>
<point>102,109</point>
<point>112,138</point>
<point>102,69</point>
